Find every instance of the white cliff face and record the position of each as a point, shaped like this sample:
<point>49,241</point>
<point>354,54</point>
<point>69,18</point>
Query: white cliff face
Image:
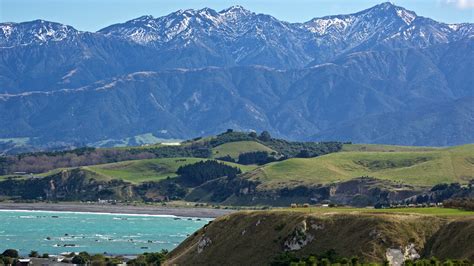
<point>397,256</point>
<point>299,238</point>
<point>411,253</point>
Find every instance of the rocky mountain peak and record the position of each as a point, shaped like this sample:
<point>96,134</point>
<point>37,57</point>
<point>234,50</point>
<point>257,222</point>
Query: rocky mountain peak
<point>36,31</point>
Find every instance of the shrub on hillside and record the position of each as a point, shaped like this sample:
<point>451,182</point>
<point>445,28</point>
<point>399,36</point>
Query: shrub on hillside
<point>12,253</point>
<point>256,157</point>
<point>204,171</point>
<point>460,203</point>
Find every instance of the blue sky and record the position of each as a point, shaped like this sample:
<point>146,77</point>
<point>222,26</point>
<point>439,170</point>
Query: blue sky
<point>93,15</point>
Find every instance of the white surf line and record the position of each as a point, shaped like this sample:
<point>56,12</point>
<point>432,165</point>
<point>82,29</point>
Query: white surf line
<point>108,213</point>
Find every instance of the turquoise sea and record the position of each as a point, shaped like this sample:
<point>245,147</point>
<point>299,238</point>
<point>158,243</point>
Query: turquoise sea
<point>57,232</point>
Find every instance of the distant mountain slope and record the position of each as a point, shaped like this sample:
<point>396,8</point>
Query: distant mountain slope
<point>198,72</point>
<point>446,123</point>
<point>202,38</point>
<point>364,86</point>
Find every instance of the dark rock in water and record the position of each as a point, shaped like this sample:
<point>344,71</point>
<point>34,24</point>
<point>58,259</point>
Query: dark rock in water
<point>48,238</point>
<point>144,247</point>
<point>54,216</point>
<point>69,245</point>
<point>150,241</point>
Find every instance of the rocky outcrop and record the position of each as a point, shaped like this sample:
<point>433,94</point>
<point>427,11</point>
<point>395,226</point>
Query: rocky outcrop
<point>398,256</point>
<point>69,185</point>
<point>361,191</point>
<point>203,243</point>
<point>299,238</point>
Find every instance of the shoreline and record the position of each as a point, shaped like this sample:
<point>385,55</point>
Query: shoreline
<point>116,209</point>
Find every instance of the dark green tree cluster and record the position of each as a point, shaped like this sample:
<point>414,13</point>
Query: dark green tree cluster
<point>460,203</point>
<point>256,157</point>
<point>265,136</point>
<point>81,258</point>
<point>198,151</point>
<point>9,257</point>
<point>84,258</point>
<point>153,259</point>
<point>292,149</point>
<point>226,158</point>
<point>229,136</point>
<point>435,262</point>
<point>330,257</point>
<point>204,171</point>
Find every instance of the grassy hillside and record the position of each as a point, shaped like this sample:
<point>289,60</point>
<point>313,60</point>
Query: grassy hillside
<point>257,237</point>
<point>234,149</point>
<point>415,167</point>
<point>440,212</point>
<point>137,171</point>
<point>384,148</point>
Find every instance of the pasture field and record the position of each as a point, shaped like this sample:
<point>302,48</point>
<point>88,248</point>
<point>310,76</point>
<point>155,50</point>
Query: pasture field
<point>138,171</point>
<point>233,149</point>
<point>418,168</point>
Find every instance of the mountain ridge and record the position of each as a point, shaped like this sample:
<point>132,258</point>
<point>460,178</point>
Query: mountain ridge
<point>202,71</point>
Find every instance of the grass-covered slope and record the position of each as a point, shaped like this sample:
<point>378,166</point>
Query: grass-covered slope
<point>138,171</point>
<point>234,149</point>
<point>385,148</point>
<point>415,166</point>
<point>256,238</point>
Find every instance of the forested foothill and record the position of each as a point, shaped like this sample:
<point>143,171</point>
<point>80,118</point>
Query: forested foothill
<point>40,162</point>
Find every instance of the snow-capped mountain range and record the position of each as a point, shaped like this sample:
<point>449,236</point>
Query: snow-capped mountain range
<point>245,34</point>
<point>34,32</point>
<point>196,72</point>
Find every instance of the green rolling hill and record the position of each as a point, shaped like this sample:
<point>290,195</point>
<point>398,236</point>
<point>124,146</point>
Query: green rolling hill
<point>409,165</point>
<point>234,149</point>
<point>347,174</point>
<point>138,171</point>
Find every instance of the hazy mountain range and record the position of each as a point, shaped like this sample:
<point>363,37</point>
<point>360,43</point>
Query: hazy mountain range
<point>382,75</point>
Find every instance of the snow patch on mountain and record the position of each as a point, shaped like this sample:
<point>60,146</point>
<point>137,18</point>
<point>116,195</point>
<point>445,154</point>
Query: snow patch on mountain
<point>38,31</point>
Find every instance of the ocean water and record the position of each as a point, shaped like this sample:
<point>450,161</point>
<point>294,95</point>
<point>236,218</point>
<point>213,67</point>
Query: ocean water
<point>57,232</point>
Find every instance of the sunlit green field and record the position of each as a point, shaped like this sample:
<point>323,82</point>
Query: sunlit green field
<point>385,148</point>
<point>421,168</point>
<point>138,171</point>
